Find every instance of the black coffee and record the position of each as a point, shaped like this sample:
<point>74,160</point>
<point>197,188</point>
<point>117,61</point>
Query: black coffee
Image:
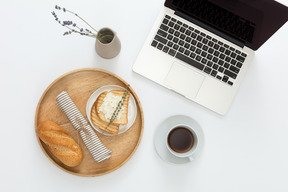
<point>180,139</point>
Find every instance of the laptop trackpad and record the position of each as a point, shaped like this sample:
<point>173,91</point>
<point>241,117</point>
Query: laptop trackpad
<point>184,80</point>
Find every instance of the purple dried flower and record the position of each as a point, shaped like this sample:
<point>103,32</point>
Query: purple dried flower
<point>70,24</point>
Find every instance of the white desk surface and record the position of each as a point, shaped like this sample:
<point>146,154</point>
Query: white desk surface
<point>246,150</point>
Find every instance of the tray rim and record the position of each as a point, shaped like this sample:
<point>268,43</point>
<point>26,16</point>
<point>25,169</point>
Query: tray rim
<point>83,70</point>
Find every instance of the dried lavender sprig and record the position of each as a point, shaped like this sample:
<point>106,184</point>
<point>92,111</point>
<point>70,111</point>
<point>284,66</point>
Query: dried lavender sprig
<point>68,23</point>
<point>66,10</point>
<point>119,107</point>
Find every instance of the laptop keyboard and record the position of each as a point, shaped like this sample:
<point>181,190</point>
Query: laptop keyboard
<point>199,50</point>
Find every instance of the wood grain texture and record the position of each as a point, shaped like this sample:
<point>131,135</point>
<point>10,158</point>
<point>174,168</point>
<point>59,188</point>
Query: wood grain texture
<point>80,84</point>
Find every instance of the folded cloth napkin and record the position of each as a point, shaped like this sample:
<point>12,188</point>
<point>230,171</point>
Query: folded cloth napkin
<point>97,149</point>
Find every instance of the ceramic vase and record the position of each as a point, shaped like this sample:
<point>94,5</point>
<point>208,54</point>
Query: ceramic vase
<point>107,44</point>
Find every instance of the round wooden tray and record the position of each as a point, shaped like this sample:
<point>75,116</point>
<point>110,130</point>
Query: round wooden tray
<point>80,84</point>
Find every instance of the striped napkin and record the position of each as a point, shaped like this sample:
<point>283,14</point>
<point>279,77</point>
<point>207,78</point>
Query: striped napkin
<point>97,149</point>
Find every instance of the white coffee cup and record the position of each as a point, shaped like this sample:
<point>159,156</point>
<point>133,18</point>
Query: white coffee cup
<point>178,141</point>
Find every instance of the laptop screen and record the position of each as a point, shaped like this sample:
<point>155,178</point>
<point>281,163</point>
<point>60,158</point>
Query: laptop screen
<point>252,22</point>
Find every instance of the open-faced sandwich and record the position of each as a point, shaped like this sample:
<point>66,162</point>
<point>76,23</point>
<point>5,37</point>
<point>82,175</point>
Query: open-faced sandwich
<point>110,110</point>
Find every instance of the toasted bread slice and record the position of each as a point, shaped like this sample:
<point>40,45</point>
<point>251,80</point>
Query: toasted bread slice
<point>102,124</point>
<point>123,119</point>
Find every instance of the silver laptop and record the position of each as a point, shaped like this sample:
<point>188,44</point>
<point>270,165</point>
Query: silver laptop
<point>203,48</point>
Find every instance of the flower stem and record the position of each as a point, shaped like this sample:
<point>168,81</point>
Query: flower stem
<point>82,19</point>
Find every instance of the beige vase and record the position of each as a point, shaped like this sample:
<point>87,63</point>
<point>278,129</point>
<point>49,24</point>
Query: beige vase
<point>107,44</point>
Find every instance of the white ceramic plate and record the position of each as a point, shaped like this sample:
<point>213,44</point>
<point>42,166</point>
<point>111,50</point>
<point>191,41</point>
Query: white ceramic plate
<point>160,138</point>
<point>132,109</point>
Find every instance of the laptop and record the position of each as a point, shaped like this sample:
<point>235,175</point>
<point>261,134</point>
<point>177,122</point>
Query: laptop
<point>202,49</point>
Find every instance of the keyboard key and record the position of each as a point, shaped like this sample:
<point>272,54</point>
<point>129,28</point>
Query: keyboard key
<point>230,83</point>
<point>221,69</point>
<point>199,38</point>
<point>197,31</point>
<point>194,35</point>
<point>192,55</point>
<point>239,58</point>
<point>154,43</point>
<point>171,24</point>
<point>205,41</point>
<point>198,58</point>
<point>176,26</point>
<point>182,36</point>
<point>160,46</point>
<point>244,54</point>
<point>230,74</point>
<point>192,48</point>
<point>227,52</point>
<point>172,52</point>
<point>228,59</point>
<point>175,47</point>
<point>198,51</point>
<point>173,19</point>
<point>188,32</point>
<point>177,34</point>
<point>210,43</point>
<point>239,65</point>
<point>162,33</point>
<point>170,37</point>
<point>175,40</point>
<point>211,50</point>
<point>199,45</point>
<point>232,49</point>
<point>187,45</point>
<point>234,69</point>
<point>167,16</point>
<point>187,52</point>
<point>181,42</point>
<point>181,50</point>
<point>204,61</point>
<point>194,42</point>
<point>210,63</point>
<point>215,66</point>
<point>171,31</point>
<point>216,46</point>
<point>189,61</point>
<point>170,44</point>
<point>214,73</point>
<point>205,48</point>
<point>203,54</point>
<point>165,49</point>
<point>160,39</point>
<point>222,49</point>
<point>220,62</point>
<point>164,27</point>
<point>209,56</point>
<point>226,65</point>
<point>225,78</point>
<point>207,70</point>
<point>219,77</point>
<point>165,21</point>
<point>188,39</point>
<point>182,29</point>
<point>222,56</point>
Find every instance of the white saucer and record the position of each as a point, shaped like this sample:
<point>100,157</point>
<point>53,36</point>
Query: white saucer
<point>162,131</point>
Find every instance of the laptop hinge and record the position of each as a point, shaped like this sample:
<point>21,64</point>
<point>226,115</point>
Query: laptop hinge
<point>211,29</point>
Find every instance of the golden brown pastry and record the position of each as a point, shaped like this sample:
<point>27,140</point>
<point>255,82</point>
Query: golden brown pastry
<point>60,143</point>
